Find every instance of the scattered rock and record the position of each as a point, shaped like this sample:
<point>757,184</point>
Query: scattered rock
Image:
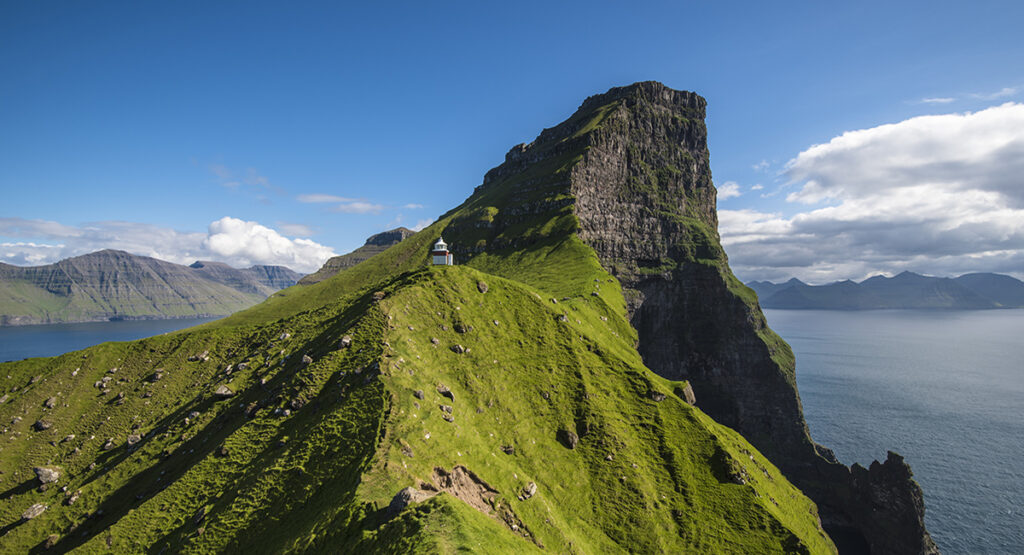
<point>529,490</point>
<point>42,424</point>
<point>445,392</point>
<point>73,497</point>
<point>481,286</point>
<point>223,451</point>
<point>656,397</point>
<point>35,379</point>
<point>223,392</point>
<point>508,449</point>
<point>378,296</point>
<point>51,541</point>
<point>306,359</point>
<point>33,511</point>
<point>284,335</point>
<point>458,349</point>
<point>546,395</point>
<point>405,498</point>
<point>418,393</point>
<point>108,445</point>
<point>608,457</point>
<point>133,440</point>
<point>345,342</point>
<point>243,366</point>
<point>47,474</point>
<point>4,398</point>
<point>568,438</point>
<point>446,408</point>
<point>447,417</point>
<point>462,328</point>
<point>157,375</point>
<point>297,403</point>
<point>435,341</point>
<point>686,393</point>
<point>68,438</point>
<point>251,409</point>
<point>50,403</point>
<point>563,318</point>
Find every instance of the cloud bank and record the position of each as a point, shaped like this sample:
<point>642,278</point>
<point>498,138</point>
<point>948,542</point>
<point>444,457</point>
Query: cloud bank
<point>233,241</point>
<point>937,194</point>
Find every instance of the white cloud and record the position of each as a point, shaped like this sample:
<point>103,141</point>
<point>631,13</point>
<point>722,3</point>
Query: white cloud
<point>757,187</point>
<point>937,100</point>
<point>935,194</point>
<point>1001,93</point>
<point>228,240</point>
<point>412,206</point>
<point>296,230</point>
<point>761,166</point>
<point>729,189</point>
<point>321,198</point>
<point>421,224</point>
<point>358,207</point>
<point>243,243</point>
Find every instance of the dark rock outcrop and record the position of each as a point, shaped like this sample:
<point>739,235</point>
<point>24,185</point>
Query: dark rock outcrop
<point>375,245</point>
<point>635,164</point>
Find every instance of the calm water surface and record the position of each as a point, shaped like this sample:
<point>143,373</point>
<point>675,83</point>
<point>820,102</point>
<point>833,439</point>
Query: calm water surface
<point>945,389</point>
<point>20,342</point>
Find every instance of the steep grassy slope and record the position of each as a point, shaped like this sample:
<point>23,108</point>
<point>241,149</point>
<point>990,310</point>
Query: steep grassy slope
<point>645,475</point>
<point>113,284</point>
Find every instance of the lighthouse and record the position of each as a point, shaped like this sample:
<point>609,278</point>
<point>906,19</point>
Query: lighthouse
<point>441,255</point>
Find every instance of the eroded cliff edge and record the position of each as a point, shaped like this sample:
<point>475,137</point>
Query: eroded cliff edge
<point>639,183</point>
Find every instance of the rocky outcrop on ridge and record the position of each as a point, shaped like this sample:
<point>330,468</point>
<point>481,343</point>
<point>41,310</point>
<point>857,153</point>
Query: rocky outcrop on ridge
<point>374,245</point>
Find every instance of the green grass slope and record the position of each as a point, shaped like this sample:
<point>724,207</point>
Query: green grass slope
<point>209,475</point>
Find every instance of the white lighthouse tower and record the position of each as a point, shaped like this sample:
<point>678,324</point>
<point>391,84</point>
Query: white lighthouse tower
<point>441,255</point>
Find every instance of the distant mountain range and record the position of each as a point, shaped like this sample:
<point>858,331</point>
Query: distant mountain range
<point>115,285</point>
<point>906,290</point>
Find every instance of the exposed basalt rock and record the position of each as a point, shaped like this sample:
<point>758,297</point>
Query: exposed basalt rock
<point>635,164</point>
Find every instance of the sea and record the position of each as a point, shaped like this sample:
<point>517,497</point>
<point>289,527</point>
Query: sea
<point>945,389</point>
<point>44,340</point>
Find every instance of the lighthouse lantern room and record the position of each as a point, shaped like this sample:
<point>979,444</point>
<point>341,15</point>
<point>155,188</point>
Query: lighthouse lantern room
<point>441,255</point>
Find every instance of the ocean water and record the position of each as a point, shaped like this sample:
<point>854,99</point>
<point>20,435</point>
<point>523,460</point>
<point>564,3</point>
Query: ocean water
<point>18,342</point>
<point>945,389</point>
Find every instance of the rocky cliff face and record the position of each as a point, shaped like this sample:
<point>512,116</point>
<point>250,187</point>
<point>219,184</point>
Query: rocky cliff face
<point>633,167</point>
<point>374,245</point>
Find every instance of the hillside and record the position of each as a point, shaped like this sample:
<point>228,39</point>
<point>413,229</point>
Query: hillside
<point>374,245</point>
<point>904,291</point>
<point>507,404</point>
<point>111,284</point>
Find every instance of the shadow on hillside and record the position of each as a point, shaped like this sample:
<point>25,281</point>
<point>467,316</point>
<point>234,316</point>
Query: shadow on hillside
<point>19,489</point>
<point>172,467</point>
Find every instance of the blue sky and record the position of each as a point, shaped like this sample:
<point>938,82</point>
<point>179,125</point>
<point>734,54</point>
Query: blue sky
<point>203,130</point>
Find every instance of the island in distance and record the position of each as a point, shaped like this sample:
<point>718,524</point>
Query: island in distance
<point>904,291</point>
<point>116,285</point>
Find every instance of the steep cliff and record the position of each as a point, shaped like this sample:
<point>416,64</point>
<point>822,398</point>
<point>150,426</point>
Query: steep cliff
<point>374,245</point>
<point>635,169</point>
